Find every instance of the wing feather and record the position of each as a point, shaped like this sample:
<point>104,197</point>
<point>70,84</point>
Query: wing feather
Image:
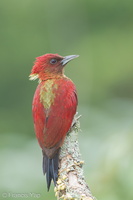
<point>51,125</point>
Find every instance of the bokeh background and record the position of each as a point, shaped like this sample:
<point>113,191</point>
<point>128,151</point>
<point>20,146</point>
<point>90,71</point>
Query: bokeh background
<point>101,32</point>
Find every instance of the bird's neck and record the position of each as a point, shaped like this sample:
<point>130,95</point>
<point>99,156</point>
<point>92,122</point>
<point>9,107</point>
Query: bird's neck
<point>47,76</point>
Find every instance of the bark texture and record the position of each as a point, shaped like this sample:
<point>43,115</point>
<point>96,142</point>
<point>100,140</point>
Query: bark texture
<point>71,184</point>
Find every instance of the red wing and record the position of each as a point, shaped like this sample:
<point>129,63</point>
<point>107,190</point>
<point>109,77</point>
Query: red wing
<point>51,125</point>
<point>59,120</point>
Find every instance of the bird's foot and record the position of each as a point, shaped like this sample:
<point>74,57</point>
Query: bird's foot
<point>75,119</point>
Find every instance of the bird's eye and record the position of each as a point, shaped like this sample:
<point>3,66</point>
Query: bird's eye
<point>53,61</point>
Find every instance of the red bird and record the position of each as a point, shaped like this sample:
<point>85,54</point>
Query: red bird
<point>54,106</point>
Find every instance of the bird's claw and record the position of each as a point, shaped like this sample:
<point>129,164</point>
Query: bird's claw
<point>75,119</point>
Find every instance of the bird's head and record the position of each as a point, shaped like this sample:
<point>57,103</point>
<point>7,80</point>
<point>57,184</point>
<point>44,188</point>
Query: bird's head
<point>49,65</point>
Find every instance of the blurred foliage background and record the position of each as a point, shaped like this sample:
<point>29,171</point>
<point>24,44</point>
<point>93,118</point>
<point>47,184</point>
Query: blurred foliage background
<point>101,32</point>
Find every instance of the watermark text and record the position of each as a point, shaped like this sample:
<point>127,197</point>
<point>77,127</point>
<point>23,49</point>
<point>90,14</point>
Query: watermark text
<point>21,195</point>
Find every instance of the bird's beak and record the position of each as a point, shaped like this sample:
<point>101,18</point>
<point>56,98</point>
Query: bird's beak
<point>66,59</point>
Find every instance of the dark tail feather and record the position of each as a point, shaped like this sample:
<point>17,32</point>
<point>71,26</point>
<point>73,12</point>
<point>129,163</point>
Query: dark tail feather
<point>50,168</point>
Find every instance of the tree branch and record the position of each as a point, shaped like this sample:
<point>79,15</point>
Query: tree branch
<point>71,184</point>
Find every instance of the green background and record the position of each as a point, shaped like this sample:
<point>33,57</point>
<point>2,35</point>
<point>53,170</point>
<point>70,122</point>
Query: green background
<point>101,32</point>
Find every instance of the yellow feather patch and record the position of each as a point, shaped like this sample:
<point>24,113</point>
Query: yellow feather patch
<point>47,94</point>
<point>33,77</point>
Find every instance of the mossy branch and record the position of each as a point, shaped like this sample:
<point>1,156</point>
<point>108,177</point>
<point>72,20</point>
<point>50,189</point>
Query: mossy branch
<point>71,184</point>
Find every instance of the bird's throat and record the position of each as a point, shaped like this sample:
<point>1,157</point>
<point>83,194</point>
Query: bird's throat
<point>48,92</point>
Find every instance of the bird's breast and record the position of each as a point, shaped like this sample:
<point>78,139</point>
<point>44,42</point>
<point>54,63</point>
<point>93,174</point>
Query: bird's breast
<point>48,93</point>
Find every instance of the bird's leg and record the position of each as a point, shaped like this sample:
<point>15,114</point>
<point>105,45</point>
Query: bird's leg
<point>75,119</point>
<point>75,122</point>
